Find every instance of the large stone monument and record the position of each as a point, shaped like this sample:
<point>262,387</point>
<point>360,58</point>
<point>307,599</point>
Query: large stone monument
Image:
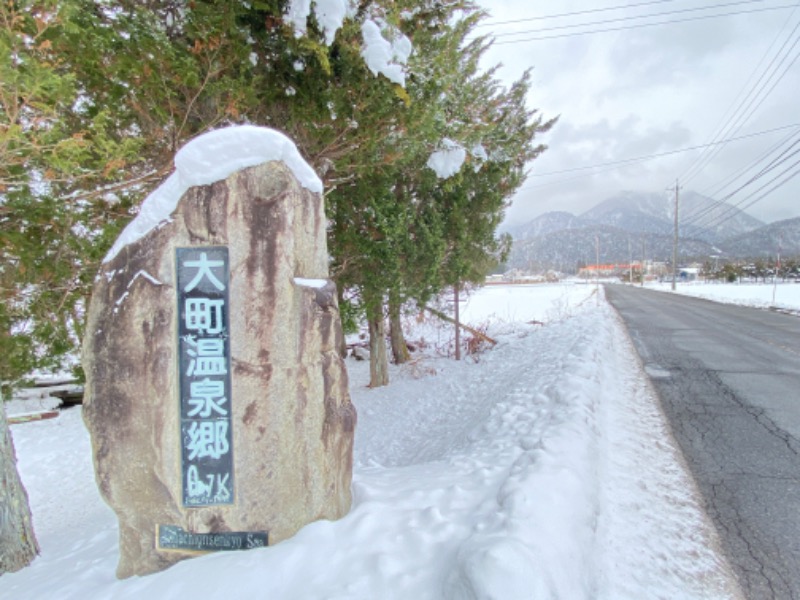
<point>216,399</point>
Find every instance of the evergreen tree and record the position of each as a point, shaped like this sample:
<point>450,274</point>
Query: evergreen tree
<point>52,147</point>
<point>379,235</point>
<point>97,98</point>
<point>401,233</point>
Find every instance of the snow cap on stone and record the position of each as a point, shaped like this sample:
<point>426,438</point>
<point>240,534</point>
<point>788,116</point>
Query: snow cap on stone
<point>209,158</point>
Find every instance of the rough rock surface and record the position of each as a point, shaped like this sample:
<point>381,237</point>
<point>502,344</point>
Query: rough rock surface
<point>292,420</point>
<point>18,545</point>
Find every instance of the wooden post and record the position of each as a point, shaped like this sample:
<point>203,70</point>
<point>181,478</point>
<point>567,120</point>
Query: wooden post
<point>675,241</point>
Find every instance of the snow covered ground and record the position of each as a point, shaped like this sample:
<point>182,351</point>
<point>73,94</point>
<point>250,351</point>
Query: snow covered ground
<point>784,296</point>
<point>542,468</point>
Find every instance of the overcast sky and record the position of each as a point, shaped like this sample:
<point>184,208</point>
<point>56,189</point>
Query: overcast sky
<point>641,91</point>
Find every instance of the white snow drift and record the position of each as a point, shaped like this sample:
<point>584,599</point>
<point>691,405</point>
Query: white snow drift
<point>543,470</point>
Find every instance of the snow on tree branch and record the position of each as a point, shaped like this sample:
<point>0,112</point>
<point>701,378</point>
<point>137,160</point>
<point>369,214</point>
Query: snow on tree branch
<point>330,16</point>
<point>448,160</point>
<point>383,56</point>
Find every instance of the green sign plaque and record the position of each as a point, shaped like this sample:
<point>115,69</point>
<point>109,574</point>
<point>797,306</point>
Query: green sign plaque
<point>172,537</point>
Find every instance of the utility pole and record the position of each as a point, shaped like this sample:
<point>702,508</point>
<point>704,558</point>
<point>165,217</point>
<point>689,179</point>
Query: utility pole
<point>675,241</point>
<point>644,254</point>
<point>597,269</point>
<point>777,269</point>
<point>630,262</point>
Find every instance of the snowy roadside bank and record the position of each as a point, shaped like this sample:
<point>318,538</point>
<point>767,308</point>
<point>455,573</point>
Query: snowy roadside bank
<point>543,470</point>
<point>784,296</point>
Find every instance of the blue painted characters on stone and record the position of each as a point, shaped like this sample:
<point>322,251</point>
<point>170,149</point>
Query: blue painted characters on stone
<point>204,363</point>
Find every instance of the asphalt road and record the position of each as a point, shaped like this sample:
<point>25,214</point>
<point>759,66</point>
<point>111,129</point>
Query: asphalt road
<point>729,382</point>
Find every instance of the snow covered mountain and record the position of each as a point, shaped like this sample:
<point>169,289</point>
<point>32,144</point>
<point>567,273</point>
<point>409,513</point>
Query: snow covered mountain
<point>700,217</point>
<point>570,249</point>
<point>630,226</point>
<point>547,223</point>
<point>767,241</point>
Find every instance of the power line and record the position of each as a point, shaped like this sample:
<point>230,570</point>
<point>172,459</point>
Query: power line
<point>641,25</point>
<point>775,162</point>
<point>743,118</point>
<point>573,14</point>
<point>627,18</point>
<point>737,115</point>
<point>667,153</point>
<point>778,160</point>
<point>775,187</point>
<point>726,211</point>
<point>741,174</point>
<point>717,189</point>
<point>773,165</point>
<point>740,206</point>
<point>752,101</point>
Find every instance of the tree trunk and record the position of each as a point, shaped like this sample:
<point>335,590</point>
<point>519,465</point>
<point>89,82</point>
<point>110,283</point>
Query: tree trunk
<point>399,348</point>
<point>343,340</point>
<point>458,322</point>
<point>18,544</point>
<point>378,361</point>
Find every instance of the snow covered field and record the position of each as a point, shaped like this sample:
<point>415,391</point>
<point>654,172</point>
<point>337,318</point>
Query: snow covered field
<point>541,469</point>
<point>762,295</point>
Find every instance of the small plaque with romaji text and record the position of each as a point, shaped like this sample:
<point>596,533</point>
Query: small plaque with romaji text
<point>172,537</point>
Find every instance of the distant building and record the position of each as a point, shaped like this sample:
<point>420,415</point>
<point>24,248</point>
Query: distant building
<point>688,273</point>
<point>611,270</point>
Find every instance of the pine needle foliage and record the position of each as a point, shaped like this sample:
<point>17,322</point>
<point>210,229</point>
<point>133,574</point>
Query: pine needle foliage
<point>97,97</point>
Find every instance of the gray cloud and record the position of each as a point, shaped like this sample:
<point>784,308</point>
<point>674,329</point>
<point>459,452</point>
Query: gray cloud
<point>644,91</point>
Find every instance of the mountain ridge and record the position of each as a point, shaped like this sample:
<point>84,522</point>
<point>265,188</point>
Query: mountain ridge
<point>636,226</point>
